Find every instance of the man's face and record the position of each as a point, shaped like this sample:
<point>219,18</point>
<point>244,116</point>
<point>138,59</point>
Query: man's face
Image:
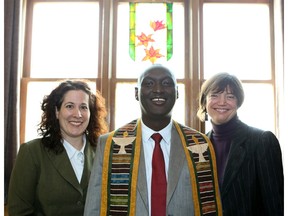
<point>157,93</point>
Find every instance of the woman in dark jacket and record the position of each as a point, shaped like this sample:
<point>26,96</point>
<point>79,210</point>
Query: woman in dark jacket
<point>249,160</point>
<point>51,174</point>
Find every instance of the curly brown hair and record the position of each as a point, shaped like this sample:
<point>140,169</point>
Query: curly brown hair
<point>49,127</point>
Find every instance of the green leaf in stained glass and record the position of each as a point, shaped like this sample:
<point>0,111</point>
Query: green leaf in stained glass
<point>132,30</point>
<point>132,13</point>
<point>169,26</point>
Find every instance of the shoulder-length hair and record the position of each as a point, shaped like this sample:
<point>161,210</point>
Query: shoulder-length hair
<point>49,127</point>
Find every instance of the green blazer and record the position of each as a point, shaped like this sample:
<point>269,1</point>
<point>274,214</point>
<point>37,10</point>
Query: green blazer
<point>43,183</point>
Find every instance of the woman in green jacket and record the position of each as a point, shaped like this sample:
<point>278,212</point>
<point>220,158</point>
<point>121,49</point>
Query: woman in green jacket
<point>51,174</point>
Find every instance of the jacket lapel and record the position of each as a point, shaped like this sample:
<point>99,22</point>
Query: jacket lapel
<point>236,157</point>
<point>62,164</point>
<point>89,155</point>
<point>176,162</point>
<point>142,183</point>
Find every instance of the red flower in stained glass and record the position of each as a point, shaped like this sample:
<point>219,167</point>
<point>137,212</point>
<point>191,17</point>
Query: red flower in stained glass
<point>152,54</point>
<point>157,25</point>
<point>144,39</point>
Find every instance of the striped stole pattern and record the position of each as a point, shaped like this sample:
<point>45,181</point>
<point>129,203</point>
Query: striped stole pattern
<point>121,163</point>
<point>202,164</point>
<point>120,171</point>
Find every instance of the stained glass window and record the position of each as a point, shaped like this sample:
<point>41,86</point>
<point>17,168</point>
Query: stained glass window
<point>152,37</point>
<point>150,33</point>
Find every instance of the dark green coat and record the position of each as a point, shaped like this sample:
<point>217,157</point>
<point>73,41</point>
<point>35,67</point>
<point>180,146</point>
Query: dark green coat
<point>43,183</point>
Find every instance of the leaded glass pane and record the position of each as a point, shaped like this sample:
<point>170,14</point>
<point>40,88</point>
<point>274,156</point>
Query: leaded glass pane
<point>149,33</point>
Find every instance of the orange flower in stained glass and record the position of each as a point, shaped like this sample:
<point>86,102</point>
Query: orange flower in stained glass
<point>157,25</point>
<point>152,54</point>
<point>144,39</point>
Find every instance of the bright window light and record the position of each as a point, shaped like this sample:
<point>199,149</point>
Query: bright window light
<point>237,40</point>
<point>65,40</point>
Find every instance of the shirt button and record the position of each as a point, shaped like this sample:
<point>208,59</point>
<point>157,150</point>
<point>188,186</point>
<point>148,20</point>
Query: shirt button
<point>80,157</point>
<point>79,203</point>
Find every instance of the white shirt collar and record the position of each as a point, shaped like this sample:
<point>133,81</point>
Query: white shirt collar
<point>148,132</point>
<point>71,151</point>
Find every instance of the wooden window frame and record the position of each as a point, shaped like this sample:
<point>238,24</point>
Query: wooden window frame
<point>106,79</point>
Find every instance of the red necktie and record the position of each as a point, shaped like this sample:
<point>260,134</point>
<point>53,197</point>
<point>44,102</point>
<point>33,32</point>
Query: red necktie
<point>159,183</point>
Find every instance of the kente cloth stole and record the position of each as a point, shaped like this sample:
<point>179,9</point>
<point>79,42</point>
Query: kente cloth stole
<point>120,170</point>
<point>121,163</point>
<point>201,161</point>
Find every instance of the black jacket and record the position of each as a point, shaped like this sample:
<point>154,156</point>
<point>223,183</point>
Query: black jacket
<point>253,181</point>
